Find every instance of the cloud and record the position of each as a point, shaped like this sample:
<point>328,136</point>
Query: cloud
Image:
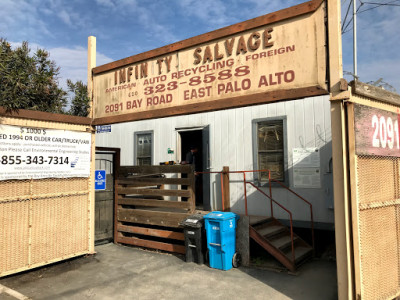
<point>65,17</point>
<point>218,13</point>
<point>13,13</point>
<point>73,62</point>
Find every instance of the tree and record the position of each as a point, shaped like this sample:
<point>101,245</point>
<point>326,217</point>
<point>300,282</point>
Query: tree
<point>29,81</point>
<point>80,103</point>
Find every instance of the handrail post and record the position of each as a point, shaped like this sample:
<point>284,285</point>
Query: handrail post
<point>245,192</point>
<point>312,229</point>
<point>292,238</point>
<point>270,193</point>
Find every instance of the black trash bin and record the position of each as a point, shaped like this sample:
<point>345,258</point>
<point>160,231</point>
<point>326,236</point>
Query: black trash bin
<point>195,239</point>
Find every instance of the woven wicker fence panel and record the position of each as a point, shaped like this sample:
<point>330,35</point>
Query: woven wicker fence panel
<point>14,227</point>
<point>14,189</point>
<point>376,179</point>
<point>59,185</point>
<point>378,221</point>
<point>379,252</point>
<point>59,227</point>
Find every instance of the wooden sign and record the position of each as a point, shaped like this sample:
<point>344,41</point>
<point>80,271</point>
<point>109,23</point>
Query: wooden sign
<point>376,131</point>
<point>273,57</point>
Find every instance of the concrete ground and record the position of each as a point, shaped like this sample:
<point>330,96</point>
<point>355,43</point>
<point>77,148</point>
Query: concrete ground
<point>120,272</point>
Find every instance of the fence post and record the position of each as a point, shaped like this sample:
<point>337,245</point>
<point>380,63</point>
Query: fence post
<point>226,197</point>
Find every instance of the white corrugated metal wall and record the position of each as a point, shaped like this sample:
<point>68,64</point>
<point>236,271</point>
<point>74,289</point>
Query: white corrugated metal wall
<point>231,144</point>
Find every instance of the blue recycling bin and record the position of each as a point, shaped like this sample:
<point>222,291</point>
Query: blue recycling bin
<point>221,238</point>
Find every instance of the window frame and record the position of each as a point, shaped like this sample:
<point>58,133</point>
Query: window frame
<point>135,151</point>
<point>257,176</point>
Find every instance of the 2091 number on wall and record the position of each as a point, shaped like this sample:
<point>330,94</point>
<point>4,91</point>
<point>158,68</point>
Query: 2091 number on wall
<point>376,131</point>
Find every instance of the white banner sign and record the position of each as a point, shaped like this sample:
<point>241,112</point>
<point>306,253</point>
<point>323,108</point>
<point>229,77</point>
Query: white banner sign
<point>306,157</point>
<point>27,152</point>
<point>306,168</point>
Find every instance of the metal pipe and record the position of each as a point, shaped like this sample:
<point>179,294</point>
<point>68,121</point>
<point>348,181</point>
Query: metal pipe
<point>355,39</point>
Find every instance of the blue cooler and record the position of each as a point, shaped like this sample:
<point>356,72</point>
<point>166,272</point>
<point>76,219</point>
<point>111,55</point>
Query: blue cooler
<point>221,238</point>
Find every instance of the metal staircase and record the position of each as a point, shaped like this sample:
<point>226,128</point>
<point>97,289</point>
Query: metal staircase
<point>277,239</point>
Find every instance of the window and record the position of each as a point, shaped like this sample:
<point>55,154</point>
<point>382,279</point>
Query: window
<point>270,152</point>
<point>144,148</point>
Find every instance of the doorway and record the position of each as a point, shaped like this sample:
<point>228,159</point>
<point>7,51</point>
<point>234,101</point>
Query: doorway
<point>107,159</point>
<point>197,138</point>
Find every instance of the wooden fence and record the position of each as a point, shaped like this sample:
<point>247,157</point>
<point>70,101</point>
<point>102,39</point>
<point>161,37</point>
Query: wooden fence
<point>151,202</point>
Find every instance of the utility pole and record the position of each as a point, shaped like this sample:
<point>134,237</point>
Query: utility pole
<point>355,39</point>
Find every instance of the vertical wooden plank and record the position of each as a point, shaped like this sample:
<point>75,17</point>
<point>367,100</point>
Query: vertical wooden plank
<point>226,199</point>
<point>344,259</point>
<point>354,199</point>
<point>192,189</point>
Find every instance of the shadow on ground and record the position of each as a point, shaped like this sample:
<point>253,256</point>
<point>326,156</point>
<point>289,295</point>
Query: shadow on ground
<point>119,272</point>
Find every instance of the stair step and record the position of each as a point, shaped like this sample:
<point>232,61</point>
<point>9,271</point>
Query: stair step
<point>258,220</point>
<point>271,230</point>
<point>300,253</point>
<point>283,241</point>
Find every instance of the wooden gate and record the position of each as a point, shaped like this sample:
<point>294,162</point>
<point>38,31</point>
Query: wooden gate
<point>374,160</point>
<point>151,203</point>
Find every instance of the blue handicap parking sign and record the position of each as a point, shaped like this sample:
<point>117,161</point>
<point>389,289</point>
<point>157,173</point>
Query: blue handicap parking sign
<point>100,180</point>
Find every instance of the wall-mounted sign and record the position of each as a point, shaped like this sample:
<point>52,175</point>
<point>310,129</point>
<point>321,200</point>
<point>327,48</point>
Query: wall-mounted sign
<point>103,128</point>
<point>285,55</point>
<point>306,157</point>
<point>100,180</point>
<point>306,168</point>
<point>307,177</point>
<point>376,131</point>
<point>43,153</point>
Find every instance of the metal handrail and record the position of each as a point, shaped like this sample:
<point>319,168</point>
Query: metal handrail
<point>270,191</point>
<point>288,211</point>
<point>293,192</point>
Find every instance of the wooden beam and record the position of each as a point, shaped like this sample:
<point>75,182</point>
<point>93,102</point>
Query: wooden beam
<point>153,192</point>
<point>143,170</point>
<point>144,181</point>
<point>375,93</point>
<point>160,218</point>
<point>154,203</point>
<point>151,244</point>
<point>168,234</point>
<point>45,116</point>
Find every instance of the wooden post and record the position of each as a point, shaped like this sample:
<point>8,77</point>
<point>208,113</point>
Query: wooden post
<point>90,65</point>
<point>91,221</point>
<point>192,188</point>
<point>226,200</point>
<point>339,154</point>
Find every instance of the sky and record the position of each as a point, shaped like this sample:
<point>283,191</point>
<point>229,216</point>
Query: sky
<point>127,27</point>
